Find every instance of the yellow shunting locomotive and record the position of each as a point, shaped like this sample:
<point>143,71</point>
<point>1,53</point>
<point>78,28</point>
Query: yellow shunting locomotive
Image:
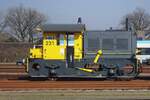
<point>68,50</point>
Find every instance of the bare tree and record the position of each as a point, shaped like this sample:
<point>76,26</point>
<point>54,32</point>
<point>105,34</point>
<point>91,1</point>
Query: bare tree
<point>2,22</point>
<point>138,19</point>
<point>22,21</point>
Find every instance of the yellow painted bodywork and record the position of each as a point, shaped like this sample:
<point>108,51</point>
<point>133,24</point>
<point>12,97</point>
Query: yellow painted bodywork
<point>99,53</point>
<point>86,70</point>
<point>78,46</point>
<point>36,53</point>
<point>51,49</point>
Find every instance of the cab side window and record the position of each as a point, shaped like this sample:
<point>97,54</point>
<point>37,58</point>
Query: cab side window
<point>49,37</point>
<point>70,40</point>
<point>60,39</point>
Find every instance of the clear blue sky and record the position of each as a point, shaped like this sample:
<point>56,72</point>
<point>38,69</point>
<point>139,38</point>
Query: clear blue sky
<point>96,14</point>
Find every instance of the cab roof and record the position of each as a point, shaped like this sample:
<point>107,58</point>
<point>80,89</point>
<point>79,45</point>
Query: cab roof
<point>63,27</point>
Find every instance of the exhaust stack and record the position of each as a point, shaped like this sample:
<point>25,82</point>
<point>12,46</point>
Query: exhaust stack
<point>127,24</point>
<point>79,20</point>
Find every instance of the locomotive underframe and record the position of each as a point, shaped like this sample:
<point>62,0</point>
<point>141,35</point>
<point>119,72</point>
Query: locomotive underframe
<point>109,67</point>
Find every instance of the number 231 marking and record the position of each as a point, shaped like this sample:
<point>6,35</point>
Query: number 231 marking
<point>49,43</point>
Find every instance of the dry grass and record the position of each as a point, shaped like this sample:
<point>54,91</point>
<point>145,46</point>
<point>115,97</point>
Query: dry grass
<point>76,95</point>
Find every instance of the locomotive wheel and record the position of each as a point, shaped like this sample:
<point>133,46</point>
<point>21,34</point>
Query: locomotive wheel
<point>128,69</point>
<point>36,66</point>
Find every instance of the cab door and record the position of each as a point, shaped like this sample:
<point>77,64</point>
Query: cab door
<point>70,50</point>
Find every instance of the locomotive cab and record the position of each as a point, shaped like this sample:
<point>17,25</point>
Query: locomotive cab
<point>61,43</point>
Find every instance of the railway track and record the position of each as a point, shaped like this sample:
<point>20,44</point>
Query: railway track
<point>13,68</point>
<point>12,71</point>
<point>95,85</point>
<point>13,77</point>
